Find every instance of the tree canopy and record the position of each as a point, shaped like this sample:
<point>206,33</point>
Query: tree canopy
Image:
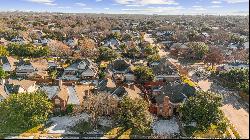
<point>204,110</point>
<point>107,54</point>
<point>20,112</point>
<point>134,114</point>
<point>236,78</point>
<point>28,50</point>
<point>144,74</point>
<point>3,51</point>
<point>214,56</point>
<point>199,49</point>
<point>3,74</point>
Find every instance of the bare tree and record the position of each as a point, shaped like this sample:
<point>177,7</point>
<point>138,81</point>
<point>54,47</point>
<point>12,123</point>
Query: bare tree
<point>214,56</point>
<point>99,105</point>
<point>59,49</point>
<point>88,47</point>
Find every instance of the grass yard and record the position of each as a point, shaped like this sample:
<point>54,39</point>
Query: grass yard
<point>210,133</point>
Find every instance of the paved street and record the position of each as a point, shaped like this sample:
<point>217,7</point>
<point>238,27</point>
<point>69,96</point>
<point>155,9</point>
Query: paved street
<point>236,112</point>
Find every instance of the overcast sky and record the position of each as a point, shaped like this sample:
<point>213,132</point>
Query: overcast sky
<point>161,7</point>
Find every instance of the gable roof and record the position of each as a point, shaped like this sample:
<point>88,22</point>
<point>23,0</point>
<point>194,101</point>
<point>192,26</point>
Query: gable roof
<point>81,91</point>
<point>176,92</point>
<point>25,84</point>
<point>63,93</point>
<point>133,92</point>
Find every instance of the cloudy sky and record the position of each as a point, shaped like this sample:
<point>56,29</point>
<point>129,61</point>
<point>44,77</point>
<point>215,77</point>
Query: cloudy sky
<point>161,7</point>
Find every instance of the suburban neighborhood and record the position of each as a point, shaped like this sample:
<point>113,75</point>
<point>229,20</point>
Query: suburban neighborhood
<point>118,76</point>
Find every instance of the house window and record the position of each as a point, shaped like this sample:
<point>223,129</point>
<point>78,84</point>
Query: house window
<point>57,101</point>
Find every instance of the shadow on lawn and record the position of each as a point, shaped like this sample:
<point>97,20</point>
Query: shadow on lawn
<point>22,132</point>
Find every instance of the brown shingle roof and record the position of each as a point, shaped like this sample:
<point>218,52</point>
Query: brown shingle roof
<point>63,93</point>
<point>23,83</point>
<point>133,92</point>
<point>81,90</point>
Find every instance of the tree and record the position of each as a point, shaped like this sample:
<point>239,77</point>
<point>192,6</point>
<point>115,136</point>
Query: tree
<point>87,47</point>
<point>134,114</point>
<point>59,49</point>
<point>198,49</point>
<point>236,78</point>
<point>153,58</point>
<point>28,50</point>
<point>149,50</point>
<point>133,52</point>
<point>214,56</point>
<point>107,54</point>
<point>204,110</point>
<point>193,35</point>
<point>99,105</point>
<point>20,112</point>
<point>3,74</point>
<point>3,51</point>
<point>53,75</point>
<point>143,74</point>
<point>237,39</point>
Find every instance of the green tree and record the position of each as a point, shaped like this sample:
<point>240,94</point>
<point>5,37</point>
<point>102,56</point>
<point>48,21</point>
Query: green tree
<point>20,112</point>
<point>123,47</point>
<point>107,54</point>
<point>144,74</point>
<point>69,108</point>
<point>3,51</point>
<point>3,74</point>
<point>134,114</point>
<point>149,50</point>
<point>134,52</point>
<point>153,58</point>
<point>28,50</point>
<point>236,78</point>
<point>199,49</point>
<point>204,110</point>
<point>53,75</point>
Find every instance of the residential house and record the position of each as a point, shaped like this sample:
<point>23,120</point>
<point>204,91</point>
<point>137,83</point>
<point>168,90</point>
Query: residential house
<point>71,42</point>
<point>235,65</point>
<point>106,85</point>
<point>116,31</point>
<point>25,69</point>
<point>18,40</point>
<point>63,95</point>
<point>41,67</point>
<point>166,100</point>
<point>80,70</point>
<point>21,86</point>
<point>179,49</point>
<point>7,63</point>
<point>130,90</point>
<point>113,43</point>
<point>164,70</point>
<point>41,42</point>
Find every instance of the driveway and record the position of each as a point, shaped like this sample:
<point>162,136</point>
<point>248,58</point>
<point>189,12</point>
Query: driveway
<point>235,111</point>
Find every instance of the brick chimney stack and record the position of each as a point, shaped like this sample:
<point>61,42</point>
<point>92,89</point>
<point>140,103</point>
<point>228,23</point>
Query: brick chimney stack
<point>166,107</point>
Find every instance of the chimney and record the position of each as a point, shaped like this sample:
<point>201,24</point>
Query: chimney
<point>60,83</point>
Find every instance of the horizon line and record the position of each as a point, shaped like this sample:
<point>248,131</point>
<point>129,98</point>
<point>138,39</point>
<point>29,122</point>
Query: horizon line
<point>201,14</point>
